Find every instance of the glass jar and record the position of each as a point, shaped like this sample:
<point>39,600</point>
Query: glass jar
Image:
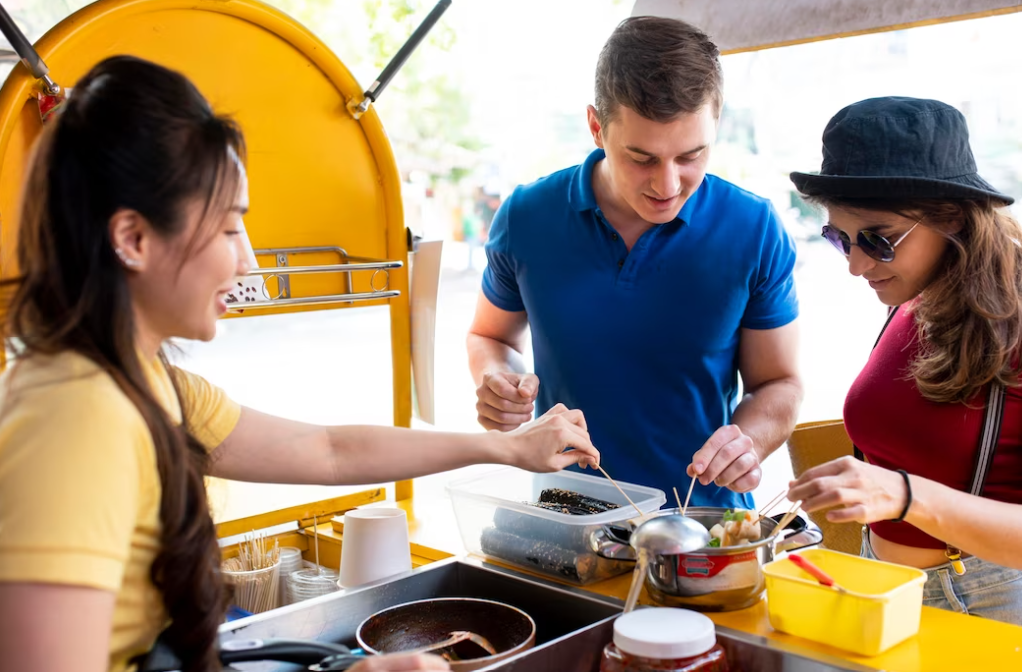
<point>664,640</point>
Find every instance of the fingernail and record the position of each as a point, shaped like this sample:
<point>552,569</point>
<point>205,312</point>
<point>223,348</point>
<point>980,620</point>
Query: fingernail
<point>698,466</point>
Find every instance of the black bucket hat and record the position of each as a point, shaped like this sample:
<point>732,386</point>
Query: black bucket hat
<point>898,147</point>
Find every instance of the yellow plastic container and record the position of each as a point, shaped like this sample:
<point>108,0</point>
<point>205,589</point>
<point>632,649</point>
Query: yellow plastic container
<point>881,607</point>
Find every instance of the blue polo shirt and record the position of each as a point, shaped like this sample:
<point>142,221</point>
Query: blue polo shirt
<point>644,342</point>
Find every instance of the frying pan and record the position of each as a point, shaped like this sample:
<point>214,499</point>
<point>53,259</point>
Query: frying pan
<point>405,627</point>
<point>419,624</point>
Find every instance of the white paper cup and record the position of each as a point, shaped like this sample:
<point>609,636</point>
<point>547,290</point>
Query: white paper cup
<point>375,546</point>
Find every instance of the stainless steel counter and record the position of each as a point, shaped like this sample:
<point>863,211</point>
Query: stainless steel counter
<point>572,625</point>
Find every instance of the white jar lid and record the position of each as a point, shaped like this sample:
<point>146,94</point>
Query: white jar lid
<point>664,633</point>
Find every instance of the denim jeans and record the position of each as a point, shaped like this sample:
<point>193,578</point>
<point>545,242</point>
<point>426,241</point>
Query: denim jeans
<point>986,589</point>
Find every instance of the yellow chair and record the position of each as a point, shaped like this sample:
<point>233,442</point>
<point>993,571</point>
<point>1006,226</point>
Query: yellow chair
<point>812,444</point>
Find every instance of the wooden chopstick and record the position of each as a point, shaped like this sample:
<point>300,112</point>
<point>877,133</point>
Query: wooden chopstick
<point>691,487</point>
<point>788,517</point>
<point>678,499</point>
<point>770,505</point>
<point>623,494</point>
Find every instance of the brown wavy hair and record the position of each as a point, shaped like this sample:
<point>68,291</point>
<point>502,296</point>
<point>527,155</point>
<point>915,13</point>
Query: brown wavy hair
<point>136,136</point>
<point>660,68</point>
<point>969,316</point>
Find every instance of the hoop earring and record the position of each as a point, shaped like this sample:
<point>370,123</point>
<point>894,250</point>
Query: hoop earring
<point>125,259</point>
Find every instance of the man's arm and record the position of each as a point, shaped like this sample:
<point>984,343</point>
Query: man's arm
<point>768,364</point>
<point>495,343</point>
<point>766,416</point>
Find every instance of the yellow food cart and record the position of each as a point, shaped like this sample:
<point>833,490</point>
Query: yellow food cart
<point>329,233</point>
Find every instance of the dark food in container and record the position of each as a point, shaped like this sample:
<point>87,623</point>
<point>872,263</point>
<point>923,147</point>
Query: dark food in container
<point>545,556</point>
<point>579,504</point>
<point>547,545</point>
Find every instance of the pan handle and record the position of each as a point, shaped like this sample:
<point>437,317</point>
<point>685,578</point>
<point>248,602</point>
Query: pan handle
<point>299,651</point>
<point>800,540</point>
<point>611,542</point>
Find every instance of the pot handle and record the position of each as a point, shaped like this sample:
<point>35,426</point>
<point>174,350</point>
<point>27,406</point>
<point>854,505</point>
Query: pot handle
<point>299,651</point>
<point>611,542</point>
<point>803,539</point>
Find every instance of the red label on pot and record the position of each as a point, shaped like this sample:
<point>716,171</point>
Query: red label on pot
<point>708,566</point>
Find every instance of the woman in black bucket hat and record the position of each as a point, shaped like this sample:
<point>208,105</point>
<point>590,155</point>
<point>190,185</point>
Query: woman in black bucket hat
<point>936,413</point>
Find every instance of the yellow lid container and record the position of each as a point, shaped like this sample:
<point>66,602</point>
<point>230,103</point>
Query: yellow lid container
<point>880,608</point>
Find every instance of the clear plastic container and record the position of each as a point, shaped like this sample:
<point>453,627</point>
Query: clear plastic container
<point>255,590</point>
<point>664,640</point>
<point>306,584</point>
<point>495,521</point>
<point>290,562</point>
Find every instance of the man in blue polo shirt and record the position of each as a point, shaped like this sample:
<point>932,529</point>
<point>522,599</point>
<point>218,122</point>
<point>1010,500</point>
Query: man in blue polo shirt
<point>648,285</point>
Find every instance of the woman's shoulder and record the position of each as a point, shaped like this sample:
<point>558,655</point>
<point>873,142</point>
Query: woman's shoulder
<point>62,385</point>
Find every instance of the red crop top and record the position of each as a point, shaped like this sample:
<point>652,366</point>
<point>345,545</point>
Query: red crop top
<point>896,428</point>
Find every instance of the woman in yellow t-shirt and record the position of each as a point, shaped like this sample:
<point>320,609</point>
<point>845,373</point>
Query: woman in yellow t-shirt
<point>131,234</point>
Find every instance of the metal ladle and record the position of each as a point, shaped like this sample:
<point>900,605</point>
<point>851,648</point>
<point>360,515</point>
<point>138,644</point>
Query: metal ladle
<point>672,534</point>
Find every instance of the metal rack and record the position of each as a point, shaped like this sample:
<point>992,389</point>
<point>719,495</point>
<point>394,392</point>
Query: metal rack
<point>349,264</point>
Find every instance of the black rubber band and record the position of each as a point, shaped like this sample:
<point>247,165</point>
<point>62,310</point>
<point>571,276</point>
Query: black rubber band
<point>908,498</point>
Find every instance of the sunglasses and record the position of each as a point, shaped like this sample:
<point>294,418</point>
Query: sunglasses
<point>871,243</point>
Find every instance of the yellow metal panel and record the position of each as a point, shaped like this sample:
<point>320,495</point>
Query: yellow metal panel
<point>303,514</point>
<point>318,177</point>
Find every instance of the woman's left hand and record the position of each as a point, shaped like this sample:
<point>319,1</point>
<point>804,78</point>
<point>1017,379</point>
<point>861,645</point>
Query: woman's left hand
<point>855,490</point>
<point>553,441</point>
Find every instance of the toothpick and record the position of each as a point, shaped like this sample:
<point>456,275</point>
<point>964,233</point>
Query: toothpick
<point>689,496</point>
<point>614,483</point>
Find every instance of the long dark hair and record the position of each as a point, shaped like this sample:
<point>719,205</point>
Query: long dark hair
<point>970,315</point>
<point>138,136</point>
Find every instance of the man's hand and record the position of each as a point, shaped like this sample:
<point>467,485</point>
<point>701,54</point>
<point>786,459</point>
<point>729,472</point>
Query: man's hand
<point>506,399</point>
<point>729,459</point>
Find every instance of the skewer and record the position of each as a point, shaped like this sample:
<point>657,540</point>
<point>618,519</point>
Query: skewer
<point>770,505</point>
<point>614,483</point>
<point>678,498</point>
<point>788,517</point>
<point>691,487</point>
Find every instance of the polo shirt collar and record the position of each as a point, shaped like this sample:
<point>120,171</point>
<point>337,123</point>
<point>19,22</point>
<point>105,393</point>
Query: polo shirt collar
<point>581,196</point>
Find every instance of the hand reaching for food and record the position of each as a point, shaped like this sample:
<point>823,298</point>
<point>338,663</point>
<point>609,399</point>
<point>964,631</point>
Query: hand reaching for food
<point>555,440</point>
<point>728,459</point>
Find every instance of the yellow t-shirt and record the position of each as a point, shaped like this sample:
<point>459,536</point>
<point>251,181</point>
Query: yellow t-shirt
<point>79,486</point>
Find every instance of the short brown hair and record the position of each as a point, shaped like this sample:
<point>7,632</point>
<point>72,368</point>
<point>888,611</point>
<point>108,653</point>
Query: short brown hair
<point>660,68</point>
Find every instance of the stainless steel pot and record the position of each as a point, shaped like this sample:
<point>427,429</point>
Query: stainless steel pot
<point>711,579</point>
